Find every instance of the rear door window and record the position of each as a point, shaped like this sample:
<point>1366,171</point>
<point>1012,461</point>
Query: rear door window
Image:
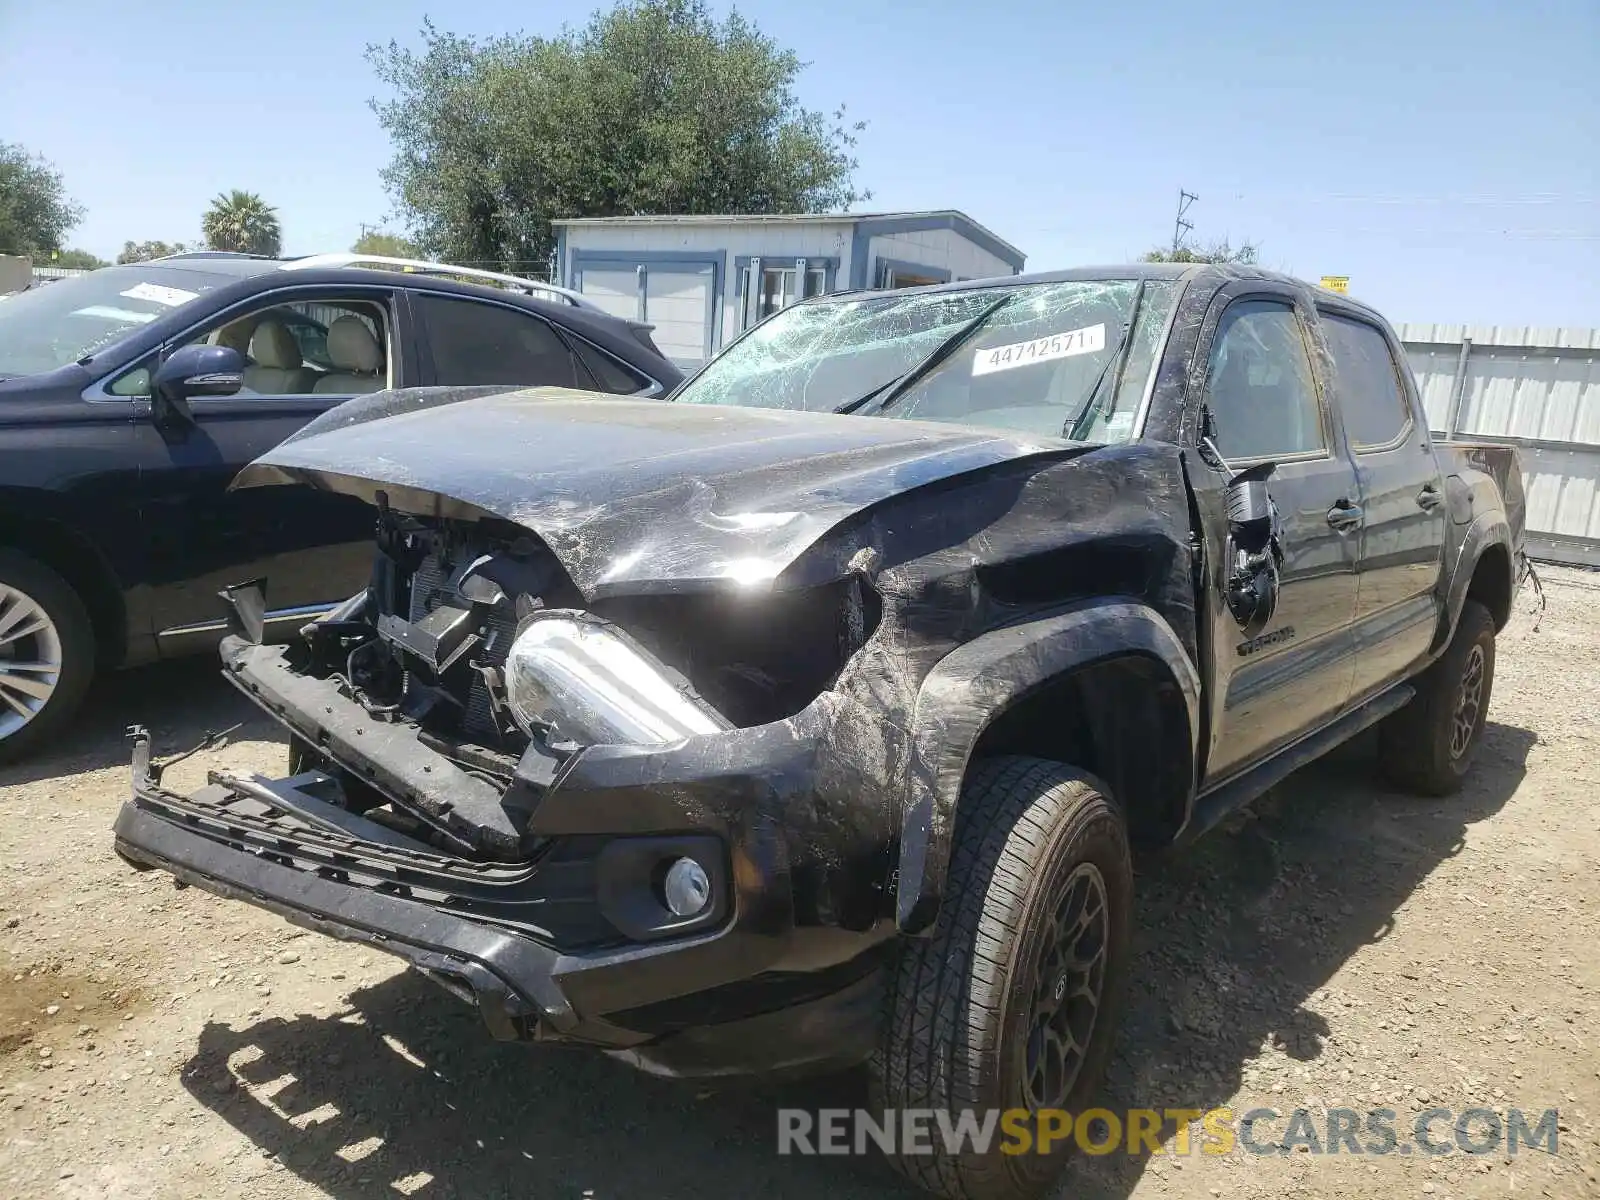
<point>475,343</point>
<point>1368,382</point>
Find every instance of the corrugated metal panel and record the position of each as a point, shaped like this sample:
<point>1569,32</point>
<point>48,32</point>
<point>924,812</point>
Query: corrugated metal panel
<point>1539,388</point>
<point>1502,335</point>
<point>1435,369</point>
<point>1549,397</point>
<point>1563,491</point>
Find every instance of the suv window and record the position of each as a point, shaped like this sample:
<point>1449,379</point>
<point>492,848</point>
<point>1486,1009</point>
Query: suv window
<point>1370,398</point>
<point>1261,391</point>
<point>609,374</point>
<point>286,349</point>
<point>476,343</point>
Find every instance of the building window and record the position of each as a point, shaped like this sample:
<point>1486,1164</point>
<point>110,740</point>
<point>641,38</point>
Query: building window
<point>891,275</point>
<point>769,286</point>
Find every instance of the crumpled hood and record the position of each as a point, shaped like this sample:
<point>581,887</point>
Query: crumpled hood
<point>632,495</point>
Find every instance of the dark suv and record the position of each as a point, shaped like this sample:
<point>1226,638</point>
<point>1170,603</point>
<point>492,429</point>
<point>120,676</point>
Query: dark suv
<point>131,396</point>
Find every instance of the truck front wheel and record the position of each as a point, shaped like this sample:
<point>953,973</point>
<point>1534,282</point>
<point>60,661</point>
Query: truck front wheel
<point>1428,745</point>
<point>1011,1003</point>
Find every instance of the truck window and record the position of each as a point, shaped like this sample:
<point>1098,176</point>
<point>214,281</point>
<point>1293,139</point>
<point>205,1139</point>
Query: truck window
<point>1261,390</point>
<point>1370,398</point>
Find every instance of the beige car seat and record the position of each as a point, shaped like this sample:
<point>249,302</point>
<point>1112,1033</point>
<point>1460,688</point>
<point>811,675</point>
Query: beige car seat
<point>278,368</point>
<point>357,359</point>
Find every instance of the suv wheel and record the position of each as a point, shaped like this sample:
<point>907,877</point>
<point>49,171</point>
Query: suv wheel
<point>1012,1002</point>
<point>46,653</point>
<point>1428,745</point>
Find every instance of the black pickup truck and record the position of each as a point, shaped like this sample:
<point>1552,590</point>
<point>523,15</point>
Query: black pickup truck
<point>810,718</point>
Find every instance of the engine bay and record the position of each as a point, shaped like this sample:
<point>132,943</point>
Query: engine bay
<point>471,636</point>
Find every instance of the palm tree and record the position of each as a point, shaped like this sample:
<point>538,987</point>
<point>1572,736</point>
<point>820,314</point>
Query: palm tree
<point>242,222</point>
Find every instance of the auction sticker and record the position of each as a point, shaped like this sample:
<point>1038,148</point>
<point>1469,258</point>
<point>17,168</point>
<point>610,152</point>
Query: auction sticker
<point>1024,354</point>
<point>157,294</point>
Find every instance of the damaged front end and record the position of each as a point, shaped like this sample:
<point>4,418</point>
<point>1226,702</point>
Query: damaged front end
<point>600,821</point>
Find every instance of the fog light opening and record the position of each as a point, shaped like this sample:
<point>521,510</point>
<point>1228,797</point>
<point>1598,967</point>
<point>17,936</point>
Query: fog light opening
<point>686,888</point>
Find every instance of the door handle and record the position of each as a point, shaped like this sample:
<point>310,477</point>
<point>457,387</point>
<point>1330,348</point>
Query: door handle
<point>1345,516</point>
<point>1430,497</point>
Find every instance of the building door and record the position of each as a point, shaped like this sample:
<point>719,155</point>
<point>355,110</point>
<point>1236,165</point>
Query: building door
<point>678,303</point>
<point>676,297</point>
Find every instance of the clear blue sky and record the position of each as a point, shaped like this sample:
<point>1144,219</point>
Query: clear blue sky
<point>1444,156</point>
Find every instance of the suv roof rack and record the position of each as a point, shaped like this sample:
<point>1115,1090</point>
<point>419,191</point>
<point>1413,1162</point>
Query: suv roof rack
<point>419,266</point>
<point>212,254</point>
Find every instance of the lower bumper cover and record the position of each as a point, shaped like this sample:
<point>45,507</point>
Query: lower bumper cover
<point>523,988</point>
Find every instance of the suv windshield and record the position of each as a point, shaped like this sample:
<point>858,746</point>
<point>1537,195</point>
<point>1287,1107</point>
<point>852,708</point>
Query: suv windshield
<point>1044,362</point>
<point>53,324</point>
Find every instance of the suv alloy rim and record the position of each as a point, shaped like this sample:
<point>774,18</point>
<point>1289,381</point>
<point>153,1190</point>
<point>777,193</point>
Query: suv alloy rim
<point>1468,701</point>
<point>1068,983</point>
<point>30,659</point>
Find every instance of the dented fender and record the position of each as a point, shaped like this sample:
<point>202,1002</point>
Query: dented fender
<point>975,684</point>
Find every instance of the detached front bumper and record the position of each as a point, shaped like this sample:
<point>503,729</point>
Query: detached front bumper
<point>785,974</point>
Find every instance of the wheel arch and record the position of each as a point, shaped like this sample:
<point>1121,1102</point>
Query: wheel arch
<point>79,561</point>
<point>1486,571</point>
<point>1012,691</point>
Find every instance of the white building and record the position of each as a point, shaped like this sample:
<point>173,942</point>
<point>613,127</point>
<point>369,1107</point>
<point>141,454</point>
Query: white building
<point>701,281</point>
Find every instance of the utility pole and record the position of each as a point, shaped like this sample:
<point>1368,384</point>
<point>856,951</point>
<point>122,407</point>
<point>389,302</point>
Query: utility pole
<point>1181,226</point>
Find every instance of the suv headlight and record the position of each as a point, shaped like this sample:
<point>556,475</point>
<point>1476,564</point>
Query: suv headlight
<point>594,685</point>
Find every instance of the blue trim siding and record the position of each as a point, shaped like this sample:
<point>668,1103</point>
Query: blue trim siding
<point>562,272</point>
<point>866,230</point>
<point>641,261</point>
<point>940,274</point>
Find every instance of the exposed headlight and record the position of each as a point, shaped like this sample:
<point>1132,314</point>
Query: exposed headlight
<point>598,687</point>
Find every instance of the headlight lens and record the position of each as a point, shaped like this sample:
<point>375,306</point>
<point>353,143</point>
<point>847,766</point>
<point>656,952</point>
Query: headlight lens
<point>598,687</point>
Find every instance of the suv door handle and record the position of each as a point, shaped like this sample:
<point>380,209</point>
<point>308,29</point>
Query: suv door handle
<point>1345,516</point>
<point>1430,497</point>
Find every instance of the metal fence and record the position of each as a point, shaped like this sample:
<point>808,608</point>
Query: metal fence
<point>1538,389</point>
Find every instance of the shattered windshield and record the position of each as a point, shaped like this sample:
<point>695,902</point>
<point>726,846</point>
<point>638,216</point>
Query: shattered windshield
<point>58,323</point>
<point>1044,362</point>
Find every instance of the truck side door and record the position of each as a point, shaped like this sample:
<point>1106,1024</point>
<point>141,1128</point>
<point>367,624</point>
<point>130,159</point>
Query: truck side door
<point>1401,546</point>
<point>1267,405</point>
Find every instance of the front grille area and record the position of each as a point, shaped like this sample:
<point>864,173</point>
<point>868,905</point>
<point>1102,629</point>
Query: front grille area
<point>430,585</point>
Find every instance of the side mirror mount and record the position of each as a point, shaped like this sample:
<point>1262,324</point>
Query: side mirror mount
<point>1248,502</point>
<point>1255,548</point>
<point>191,371</point>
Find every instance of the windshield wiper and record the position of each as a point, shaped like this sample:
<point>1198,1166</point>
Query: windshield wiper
<point>900,384</point>
<point>1070,429</point>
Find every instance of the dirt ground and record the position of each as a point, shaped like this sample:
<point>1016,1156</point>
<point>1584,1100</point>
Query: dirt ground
<point>1341,946</point>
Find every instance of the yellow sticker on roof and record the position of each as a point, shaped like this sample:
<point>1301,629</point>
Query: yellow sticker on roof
<point>1045,349</point>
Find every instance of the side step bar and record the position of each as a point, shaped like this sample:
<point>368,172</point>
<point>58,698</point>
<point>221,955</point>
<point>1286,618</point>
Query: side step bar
<point>1214,806</point>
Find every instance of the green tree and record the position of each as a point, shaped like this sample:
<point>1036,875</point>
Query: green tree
<point>653,107</point>
<point>388,245</point>
<point>80,259</point>
<point>1247,254</point>
<point>135,252</point>
<point>35,212</point>
<point>242,222</point>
